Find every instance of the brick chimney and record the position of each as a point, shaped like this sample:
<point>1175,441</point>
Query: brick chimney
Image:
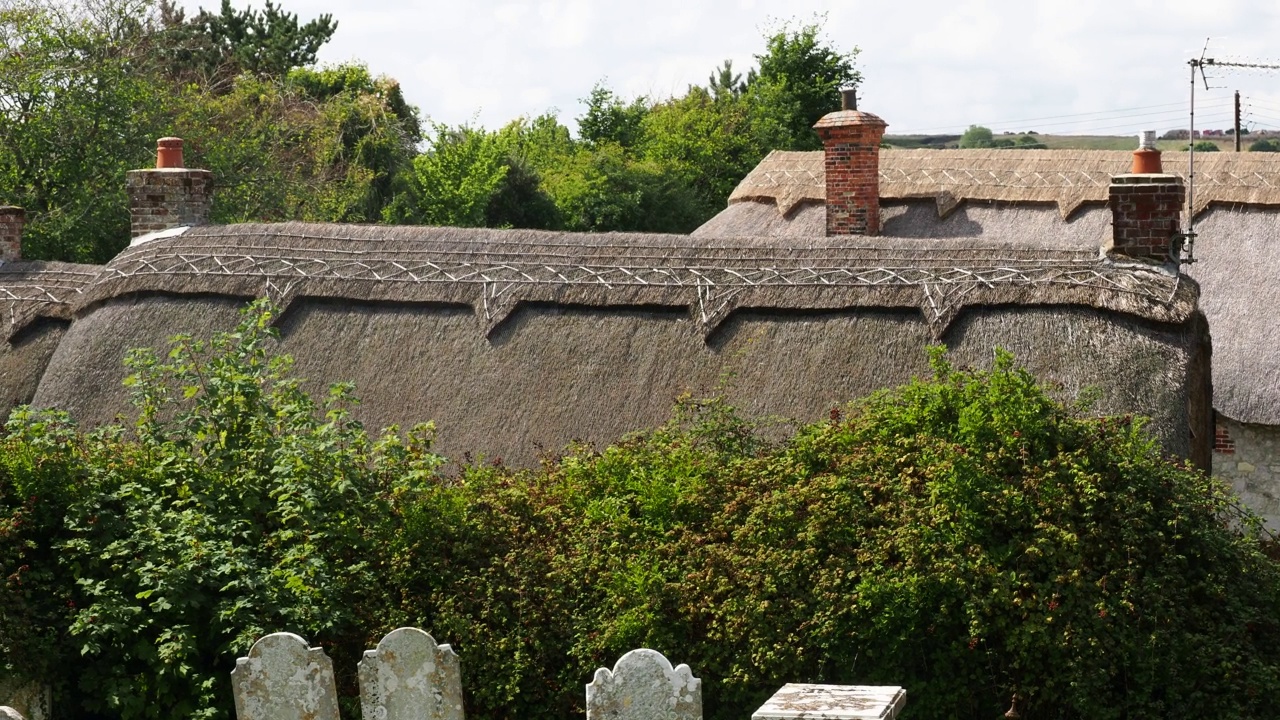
<point>12,219</point>
<point>170,195</point>
<point>1146,205</point>
<point>851,142</point>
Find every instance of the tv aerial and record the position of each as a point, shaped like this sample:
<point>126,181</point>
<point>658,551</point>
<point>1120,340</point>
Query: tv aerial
<point>1198,65</point>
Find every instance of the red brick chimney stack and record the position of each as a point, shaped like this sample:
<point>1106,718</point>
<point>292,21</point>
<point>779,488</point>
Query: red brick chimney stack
<point>851,141</point>
<point>12,219</point>
<point>1146,205</point>
<point>170,195</point>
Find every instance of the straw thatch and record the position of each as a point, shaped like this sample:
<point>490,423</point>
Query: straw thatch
<point>36,300</point>
<point>1238,251</point>
<point>512,340</point>
<point>1067,178</point>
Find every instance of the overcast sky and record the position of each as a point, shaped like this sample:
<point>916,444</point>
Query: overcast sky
<point>1068,66</point>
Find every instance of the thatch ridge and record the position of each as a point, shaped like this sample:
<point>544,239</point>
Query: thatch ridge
<point>1068,178</point>
<point>495,271</point>
<point>34,289</point>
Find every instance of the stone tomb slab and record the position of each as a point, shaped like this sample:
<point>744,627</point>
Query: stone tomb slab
<point>833,702</point>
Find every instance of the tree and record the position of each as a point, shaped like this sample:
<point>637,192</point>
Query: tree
<point>1264,146</point>
<point>610,120</point>
<point>78,108</point>
<point>1205,146</point>
<point>724,82</point>
<point>799,81</point>
<point>452,183</point>
<point>216,47</point>
<point>976,136</point>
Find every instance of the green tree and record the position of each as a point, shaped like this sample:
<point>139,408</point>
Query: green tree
<point>799,80</point>
<point>1264,146</point>
<point>77,110</point>
<point>453,182</point>
<point>977,136</point>
<point>609,119</point>
<point>1205,146</point>
<point>215,47</point>
<point>724,82</point>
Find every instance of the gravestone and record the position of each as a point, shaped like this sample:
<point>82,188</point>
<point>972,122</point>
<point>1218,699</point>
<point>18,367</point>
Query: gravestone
<point>8,713</point>
<point>284,679</point>
<point>833,702</point>
<point>410,677</point>
<point>644,686</point>
<point>31,700</point>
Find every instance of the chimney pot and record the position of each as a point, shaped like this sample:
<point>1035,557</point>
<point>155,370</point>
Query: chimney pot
<point>849,99</point>
<point>1146,159</point>
<point>169,153</point>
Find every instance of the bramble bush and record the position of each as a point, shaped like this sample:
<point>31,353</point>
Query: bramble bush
<point>965,536</point>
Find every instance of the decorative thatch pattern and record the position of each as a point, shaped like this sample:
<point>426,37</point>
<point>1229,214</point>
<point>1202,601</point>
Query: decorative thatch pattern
<point>30,290</point>
<point>495,271</point>
<point>1068,178</point>
<point>512,340</point>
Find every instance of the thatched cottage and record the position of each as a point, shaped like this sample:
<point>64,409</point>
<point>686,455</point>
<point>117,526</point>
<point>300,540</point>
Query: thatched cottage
<point>825,279</point>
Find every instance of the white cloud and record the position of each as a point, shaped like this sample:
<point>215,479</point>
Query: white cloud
<point>929,64</point>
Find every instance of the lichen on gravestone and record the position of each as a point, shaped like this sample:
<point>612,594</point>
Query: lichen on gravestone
<point>8,713</point>
<point>410,677</point>
<point>644,686</point>
<point>284,679</point>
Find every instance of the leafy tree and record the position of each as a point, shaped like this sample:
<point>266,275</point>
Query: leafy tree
<point>453,182</point>
<point>1264,146</point>
<point>799,81</point>
<point>1205,146</point>
<point>977,136</point>
<point>77,110</point>
<point>610,120</point>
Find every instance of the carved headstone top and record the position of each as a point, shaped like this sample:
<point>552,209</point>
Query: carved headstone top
<point>834,702</point>
<point>8,713</point>
<point>644,686</point>
<point>410,677</point>
<point>284,679</point>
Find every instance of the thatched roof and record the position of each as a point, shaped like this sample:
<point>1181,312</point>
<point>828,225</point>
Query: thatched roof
<point>513,339</point>
<point>1238,251</point>
<point>1069,179</point>
<point>36,299</point>
<point>493,271</point>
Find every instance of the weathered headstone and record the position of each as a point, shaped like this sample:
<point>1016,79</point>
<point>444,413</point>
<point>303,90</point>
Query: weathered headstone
<point>644,686</point>
<point>8,713</point>
<point>31,700</point>
<point>410,677</point>
<point>284,679</point>
<point>833,702</point>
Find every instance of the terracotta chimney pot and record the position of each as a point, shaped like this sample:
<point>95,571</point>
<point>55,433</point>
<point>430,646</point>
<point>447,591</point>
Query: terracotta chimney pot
<point>169,153</point>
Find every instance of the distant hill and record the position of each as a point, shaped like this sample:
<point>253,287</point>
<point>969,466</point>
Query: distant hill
<point>1065,142</point>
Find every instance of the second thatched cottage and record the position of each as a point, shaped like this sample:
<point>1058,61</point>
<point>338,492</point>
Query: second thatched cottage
<point>823,281</point>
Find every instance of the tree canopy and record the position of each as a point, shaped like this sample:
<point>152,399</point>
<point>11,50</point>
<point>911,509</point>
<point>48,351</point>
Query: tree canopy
<point>96,83</point>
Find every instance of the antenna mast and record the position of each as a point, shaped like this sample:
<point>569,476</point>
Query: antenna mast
<point>1199,64</point>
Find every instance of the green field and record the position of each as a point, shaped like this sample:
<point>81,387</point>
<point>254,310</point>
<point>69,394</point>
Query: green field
<point>1059,142</point>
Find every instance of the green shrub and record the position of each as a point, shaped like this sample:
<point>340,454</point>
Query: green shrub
<point>232,508</point>
<point>964,536</point>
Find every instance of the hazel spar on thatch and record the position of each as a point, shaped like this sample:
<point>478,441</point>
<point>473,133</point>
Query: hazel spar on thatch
<point>513,340</point>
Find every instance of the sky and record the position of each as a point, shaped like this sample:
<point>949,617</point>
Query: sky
<point>1110,67</point>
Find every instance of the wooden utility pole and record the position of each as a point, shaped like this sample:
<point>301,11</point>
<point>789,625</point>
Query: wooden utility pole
<point>1237,121</point>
